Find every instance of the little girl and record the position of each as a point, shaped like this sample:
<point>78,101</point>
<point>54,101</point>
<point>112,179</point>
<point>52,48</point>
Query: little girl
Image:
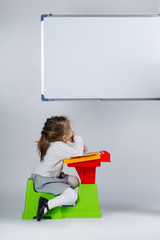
<point>57,142</point>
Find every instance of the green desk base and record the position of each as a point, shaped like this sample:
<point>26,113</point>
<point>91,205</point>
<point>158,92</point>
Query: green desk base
<point>87,205</point>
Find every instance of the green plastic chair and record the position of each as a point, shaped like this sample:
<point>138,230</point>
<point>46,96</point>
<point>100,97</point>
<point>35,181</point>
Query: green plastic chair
<point>87,205</point>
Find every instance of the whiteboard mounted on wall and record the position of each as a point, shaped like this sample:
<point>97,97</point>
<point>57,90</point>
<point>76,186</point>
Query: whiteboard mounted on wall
<point>100,57</point>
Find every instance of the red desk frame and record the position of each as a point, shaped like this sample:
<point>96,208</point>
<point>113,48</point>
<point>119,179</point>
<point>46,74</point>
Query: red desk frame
<point>87,170</point>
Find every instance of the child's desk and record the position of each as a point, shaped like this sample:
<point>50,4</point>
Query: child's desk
<point>87,204</point>
<point>86,165</point>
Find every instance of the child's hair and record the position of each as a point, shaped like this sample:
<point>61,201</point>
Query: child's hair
<point>53,130</point>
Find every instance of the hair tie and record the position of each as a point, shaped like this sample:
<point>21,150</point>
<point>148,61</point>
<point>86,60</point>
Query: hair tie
<point>46,136</point>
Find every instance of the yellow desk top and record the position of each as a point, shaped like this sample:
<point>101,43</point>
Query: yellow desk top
<point>86,157</point>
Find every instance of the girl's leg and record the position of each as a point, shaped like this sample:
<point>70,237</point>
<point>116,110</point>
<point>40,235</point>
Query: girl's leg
<point>68,197</point>
<point>73,180</point>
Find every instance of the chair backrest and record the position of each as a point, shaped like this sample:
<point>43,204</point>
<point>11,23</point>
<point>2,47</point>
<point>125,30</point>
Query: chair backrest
<point>30,184</point>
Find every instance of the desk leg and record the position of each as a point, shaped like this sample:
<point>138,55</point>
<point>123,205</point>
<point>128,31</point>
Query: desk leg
<point>86,174</point>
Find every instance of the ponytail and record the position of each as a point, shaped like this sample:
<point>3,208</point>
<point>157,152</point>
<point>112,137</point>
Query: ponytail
<point>42,146</point>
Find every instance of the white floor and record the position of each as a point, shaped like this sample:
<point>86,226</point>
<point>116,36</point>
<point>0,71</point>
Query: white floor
<point>115,224</point>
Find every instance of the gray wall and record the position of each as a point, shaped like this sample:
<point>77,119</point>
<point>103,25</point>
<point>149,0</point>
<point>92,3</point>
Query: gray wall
<point>129,130</point>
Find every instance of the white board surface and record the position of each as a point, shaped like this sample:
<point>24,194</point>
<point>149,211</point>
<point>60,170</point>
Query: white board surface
<point>100,57</point>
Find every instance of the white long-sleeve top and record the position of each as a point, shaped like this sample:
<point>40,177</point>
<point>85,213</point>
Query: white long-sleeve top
<point>52,164</point>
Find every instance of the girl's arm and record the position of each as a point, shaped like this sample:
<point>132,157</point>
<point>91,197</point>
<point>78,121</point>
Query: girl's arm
<point>71,144</point>
<point>64,150</point>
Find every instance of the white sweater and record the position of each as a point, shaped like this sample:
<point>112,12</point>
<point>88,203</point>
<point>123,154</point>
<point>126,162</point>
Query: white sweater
<point>52,164</point>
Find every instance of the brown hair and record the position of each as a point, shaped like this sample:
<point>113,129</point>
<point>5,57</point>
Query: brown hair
<point>53,130</point>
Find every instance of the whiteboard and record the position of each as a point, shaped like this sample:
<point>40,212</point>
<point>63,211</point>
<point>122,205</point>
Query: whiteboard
<point>100,57</point>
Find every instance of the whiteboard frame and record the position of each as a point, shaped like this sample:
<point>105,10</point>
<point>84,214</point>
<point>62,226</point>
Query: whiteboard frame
<point>43,16</point>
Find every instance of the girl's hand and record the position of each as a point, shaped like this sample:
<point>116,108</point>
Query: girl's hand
<point>63,175</point>
<point>72,137</point>
<point>85,149</point>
